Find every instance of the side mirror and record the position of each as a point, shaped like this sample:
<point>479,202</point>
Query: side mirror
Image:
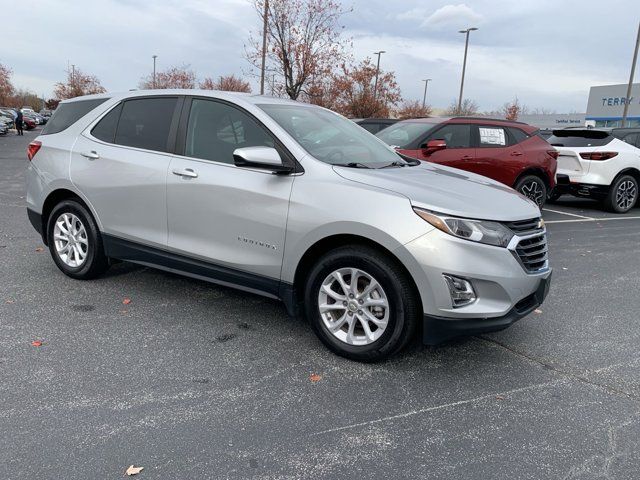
<point>433,146</point>
<point>264,158</point>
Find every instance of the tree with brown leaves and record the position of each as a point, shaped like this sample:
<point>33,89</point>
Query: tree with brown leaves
<point>227,83</point>
<point>77,84</point>
<point>352,91</point>
<point>172,77</point>
<point>304,41</point>
<point>413,109</point>
<point>6,87</point>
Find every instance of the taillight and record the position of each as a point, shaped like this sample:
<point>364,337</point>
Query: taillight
<point>553,153</point>
<point>598,155</point>
<point>33,148</point>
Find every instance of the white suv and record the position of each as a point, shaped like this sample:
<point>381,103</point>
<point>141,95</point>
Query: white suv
<point>290,201</point>
<point>599,163</point>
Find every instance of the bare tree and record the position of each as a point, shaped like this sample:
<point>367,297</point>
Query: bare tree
<point>172,77</point>
<point>413,109</point>
<point>467,109</point>
<point>304,41</point>
<point>6,87</point>
<point>76,85</point>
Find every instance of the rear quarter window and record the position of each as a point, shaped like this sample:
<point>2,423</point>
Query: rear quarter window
<point>69,113</point>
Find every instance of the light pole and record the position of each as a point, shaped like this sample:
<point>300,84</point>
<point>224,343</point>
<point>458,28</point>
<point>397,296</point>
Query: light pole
<point>424,97</point>
<point>464,64</point>
<point>154,70</point>
<point>633,70</point>
<point>73,76</point>
<point>375,85</point>
<point>264,44</point>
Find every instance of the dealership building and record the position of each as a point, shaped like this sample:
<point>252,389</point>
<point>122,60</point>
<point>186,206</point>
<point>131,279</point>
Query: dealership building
<point>606,104</point>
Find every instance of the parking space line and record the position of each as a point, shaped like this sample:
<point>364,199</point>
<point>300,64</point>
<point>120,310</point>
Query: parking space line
<point>589,219</point>
<point>565,213</point>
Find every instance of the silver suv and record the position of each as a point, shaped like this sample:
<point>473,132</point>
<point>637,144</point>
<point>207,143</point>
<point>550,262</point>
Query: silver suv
<point>290,201</point>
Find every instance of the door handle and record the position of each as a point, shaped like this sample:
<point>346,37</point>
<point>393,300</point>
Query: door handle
<point>516,154</point>
<point>92,155</point>
<point>187,172</point>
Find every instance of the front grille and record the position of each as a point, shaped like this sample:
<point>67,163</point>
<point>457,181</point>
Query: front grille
<point>532,252</point>
<point>524,227</point>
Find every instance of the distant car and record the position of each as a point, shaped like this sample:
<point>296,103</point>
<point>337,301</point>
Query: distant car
<point>599,163</point>
<point>509,152</point>
<point>374,125</point>
<point>31,116</point>
<point>4,128</point>
<point>7,119</point>
<point>29,123</point>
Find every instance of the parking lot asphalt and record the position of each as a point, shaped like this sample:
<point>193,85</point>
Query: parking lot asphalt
<point>192,380</point>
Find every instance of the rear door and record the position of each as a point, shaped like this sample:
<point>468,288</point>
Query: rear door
<point>120,165</point>
<point>498,156</point>
<point>459,153</point>
<point>229,216</point>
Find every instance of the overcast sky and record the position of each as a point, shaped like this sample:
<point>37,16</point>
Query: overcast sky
<point>546,52</point>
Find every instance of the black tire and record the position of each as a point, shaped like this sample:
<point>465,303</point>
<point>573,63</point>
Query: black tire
<point>622,195</point>
<point>532,187</point>
<point>95,262</point>
<point>404,307</point>
<point>554,195</point>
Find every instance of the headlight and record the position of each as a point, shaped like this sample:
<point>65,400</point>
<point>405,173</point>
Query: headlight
<point>482,231</point>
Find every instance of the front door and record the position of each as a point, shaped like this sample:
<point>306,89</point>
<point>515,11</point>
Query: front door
<point>459,152</point>
<point>229,216</point>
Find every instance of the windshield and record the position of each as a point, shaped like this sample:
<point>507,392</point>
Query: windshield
<point>330,137</point>
<point>404,133</point>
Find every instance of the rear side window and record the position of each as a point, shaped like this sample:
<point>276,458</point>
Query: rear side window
<point>69,113</point>
<point>145,123</point>
<point>492,137</point>
<point>105,130</point>
<point>518,135</point>
<point>216,129</point>
<point>579,138</point>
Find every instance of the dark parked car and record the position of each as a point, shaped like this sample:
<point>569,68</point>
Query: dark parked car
<point>374,125</point>
<point>509,152</point>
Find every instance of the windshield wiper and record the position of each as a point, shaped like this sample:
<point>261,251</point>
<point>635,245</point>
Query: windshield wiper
<point>396,163</point>
<point>352,165</point>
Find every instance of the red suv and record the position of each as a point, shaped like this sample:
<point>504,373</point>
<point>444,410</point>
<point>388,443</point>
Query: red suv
<point>509,152</point>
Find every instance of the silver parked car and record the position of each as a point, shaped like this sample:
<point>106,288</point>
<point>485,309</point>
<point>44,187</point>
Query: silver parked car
<point>290,201</point>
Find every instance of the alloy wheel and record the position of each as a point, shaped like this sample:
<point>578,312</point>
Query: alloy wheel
<point>70,240</point>
<point>534,191</point>
<point>626,195</point>
<point>353,306</point>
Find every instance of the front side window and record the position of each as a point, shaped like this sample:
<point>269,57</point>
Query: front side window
<point>145,123</point>
<point>456,135</point>
<point>216,129</point>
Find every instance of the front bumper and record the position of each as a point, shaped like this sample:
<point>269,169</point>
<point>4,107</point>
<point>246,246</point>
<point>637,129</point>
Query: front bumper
<point>440,329</point>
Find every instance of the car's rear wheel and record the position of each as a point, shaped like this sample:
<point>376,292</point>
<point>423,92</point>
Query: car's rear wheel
<point>361,304</point>
<point>75,242</point>
<point>534,188</point>
<point>622,195</point>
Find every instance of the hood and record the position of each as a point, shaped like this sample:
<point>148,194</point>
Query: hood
<point>448,190</point>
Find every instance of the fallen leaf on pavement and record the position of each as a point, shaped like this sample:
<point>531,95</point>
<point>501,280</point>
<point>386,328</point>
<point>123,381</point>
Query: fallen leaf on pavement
<point>315,378</point>
<point>39,249</point>
<point>537,311</point>
<point>499,397</point>
<point>10,301</point>
<point>133,470</point>
<point>565,268</point>
<point>126,301</point>
<point>36,343</point>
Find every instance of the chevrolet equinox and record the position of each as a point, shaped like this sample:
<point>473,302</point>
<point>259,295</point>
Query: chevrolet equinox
<point>290,201</point>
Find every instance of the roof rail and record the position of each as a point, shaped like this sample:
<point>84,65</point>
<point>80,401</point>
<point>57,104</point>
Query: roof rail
<point>489,119</point>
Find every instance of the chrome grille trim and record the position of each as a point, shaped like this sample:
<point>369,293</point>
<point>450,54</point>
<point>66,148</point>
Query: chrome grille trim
<point>531,251</point>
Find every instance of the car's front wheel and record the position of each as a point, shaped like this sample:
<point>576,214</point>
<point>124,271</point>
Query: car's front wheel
<point>75,242</point>
<point>622,195</point>
<point>534,188</point>
<point>361,304</point>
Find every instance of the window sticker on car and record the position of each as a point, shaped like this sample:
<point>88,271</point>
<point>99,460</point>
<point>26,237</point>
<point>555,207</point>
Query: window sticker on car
<point>492,136</point>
